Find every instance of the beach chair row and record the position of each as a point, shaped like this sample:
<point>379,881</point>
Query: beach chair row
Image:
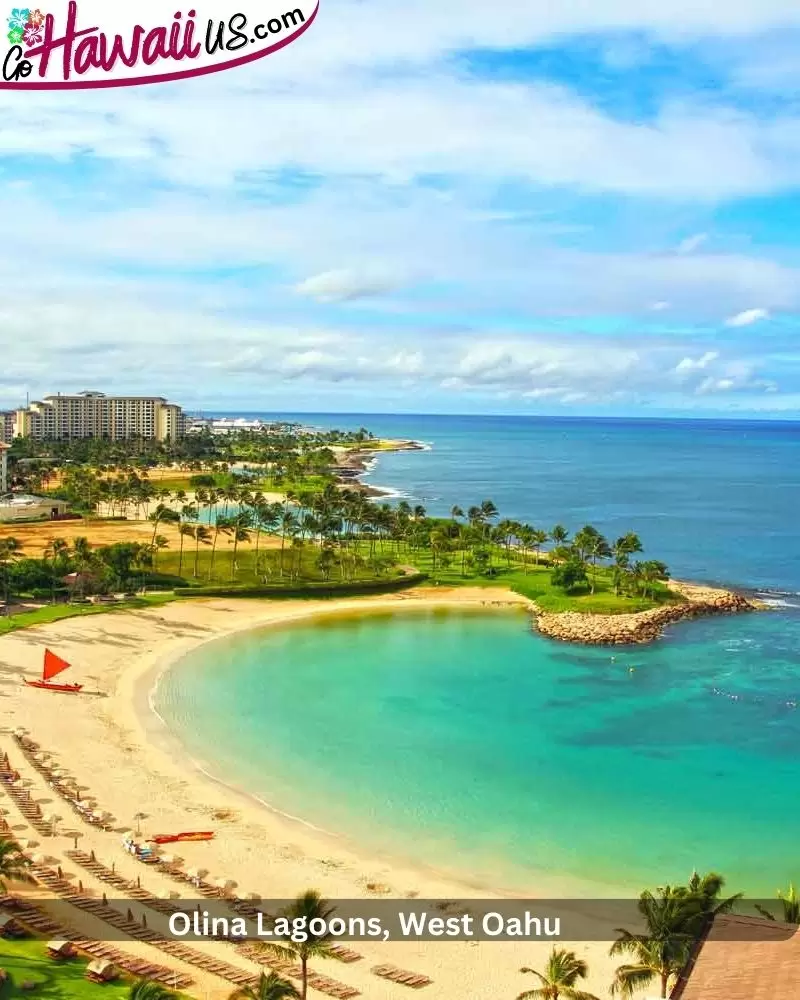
<point>37,920</point>
<point>126,924</point>
<point>133,889</point>
<point>401,976</point>
<point>29,750</point>
<point>319,982</point>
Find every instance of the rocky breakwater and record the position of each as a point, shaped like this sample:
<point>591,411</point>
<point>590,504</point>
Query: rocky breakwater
<point>644,626</point>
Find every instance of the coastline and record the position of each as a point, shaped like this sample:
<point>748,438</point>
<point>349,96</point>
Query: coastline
<point>354,463</point>
<point>116,746</point>
<point>639,627</point>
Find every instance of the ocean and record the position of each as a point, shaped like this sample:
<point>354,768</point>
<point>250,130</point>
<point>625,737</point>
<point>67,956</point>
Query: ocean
<point>476,747</point>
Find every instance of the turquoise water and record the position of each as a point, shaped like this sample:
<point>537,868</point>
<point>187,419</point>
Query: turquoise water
<point>467,743</point>
<point>473,745</point>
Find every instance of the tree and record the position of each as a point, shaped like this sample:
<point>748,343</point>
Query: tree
<point>790,904</point>
<point>673,921</point>
<point>570,575</point>
<point>13,863</point>
<point>270,987</point>
<point>146,989</point>
<point>598,549</point>
<point>307,907</point>
<point>562,972</point>
<point>55,556</point>
<point>186,530</point>
<point>202,536</point>
<point>10,549</point>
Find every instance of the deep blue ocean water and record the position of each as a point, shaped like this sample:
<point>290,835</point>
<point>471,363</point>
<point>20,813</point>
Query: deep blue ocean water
<point>476,746</point>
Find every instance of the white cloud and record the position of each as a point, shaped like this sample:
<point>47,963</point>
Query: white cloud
<point>692,243</point>
<point>345,286</point>
<point>747,317</point>
<point>686,365</point>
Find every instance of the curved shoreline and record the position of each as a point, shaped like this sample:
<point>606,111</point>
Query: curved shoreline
<point>127,756</point>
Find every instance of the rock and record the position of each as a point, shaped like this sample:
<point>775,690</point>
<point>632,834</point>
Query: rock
<point>643,626</point>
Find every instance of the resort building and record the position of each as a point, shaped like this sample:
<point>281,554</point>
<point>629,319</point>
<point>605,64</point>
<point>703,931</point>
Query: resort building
<point>7,418</point>
<point>25,507</point>
<point>3,468</point>
<point>95,415</point>
<point>744,958</point>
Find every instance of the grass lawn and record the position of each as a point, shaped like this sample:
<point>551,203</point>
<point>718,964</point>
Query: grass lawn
<point>58,612</point>
<point>535,584</point>
<point>27,961</point>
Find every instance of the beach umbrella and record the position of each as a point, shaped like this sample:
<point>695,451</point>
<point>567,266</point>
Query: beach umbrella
<point>39,859</point>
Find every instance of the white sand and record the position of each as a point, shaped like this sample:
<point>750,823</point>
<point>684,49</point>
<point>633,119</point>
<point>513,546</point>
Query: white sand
<point>117,747</point>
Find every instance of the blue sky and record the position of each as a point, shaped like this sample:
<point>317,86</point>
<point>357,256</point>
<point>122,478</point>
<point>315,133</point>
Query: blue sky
<point>442,208</point>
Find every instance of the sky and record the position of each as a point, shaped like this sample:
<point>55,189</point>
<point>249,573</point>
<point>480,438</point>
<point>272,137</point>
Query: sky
<point>440,206</point>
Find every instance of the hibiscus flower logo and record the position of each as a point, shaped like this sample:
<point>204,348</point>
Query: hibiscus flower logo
<point>19,18</point>
<point>26,26</point>
<point>32,35</point>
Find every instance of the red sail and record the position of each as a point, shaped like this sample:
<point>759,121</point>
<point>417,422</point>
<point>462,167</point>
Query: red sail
<point>53,665</point>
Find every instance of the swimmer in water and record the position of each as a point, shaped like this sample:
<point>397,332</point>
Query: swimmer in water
<point>631,669</point>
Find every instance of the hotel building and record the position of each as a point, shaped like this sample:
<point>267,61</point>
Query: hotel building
<point>3,469</point>
<point>95,415</point>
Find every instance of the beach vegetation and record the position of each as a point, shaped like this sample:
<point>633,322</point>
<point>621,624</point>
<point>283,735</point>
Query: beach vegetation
<point>146,989</point>
<point>13,863</point>
<point>559,979</point>
<point>202,516</point>
<point>269,987</point>
<point>790,906</point>
<point>308,907</point>
<point>32,973</point>
<point>674,919</point>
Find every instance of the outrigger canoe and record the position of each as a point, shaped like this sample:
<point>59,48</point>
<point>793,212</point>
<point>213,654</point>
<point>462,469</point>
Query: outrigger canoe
<point>53,666</point>
<point>174,838</point>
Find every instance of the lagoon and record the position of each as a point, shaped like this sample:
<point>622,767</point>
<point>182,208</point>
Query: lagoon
<point>465,743</point>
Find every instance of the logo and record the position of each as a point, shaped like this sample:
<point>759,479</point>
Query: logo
<point>99,45</point>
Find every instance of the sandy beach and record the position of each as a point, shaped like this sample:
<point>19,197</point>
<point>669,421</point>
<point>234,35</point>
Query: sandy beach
<point>114,745</point>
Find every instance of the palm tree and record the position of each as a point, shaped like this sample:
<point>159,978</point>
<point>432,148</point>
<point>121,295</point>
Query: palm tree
<point>10,549</point>
<point>185,530</point>
<point>13,864</point>
<point>791,906</point>
<point>307,907</point>
<point>201,536</point>
<point>673,920</point>
<point>270,987</point>
<point>651,962</point>
<point>146,989</point>
<point>562,971</point>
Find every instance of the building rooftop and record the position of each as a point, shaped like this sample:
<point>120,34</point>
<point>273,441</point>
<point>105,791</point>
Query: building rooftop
<point>745,958</point>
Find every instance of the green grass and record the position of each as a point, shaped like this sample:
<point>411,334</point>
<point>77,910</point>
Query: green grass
<point>27,961</point>
<point>59,612</point>
<point>535,584</point>
<point>299,566</point>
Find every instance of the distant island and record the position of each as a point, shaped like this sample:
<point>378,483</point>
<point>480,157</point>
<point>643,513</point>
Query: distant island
<point>281,510</point>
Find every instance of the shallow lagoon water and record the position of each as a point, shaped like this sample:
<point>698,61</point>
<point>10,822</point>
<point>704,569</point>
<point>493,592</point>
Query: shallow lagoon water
<point>464,742</point>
